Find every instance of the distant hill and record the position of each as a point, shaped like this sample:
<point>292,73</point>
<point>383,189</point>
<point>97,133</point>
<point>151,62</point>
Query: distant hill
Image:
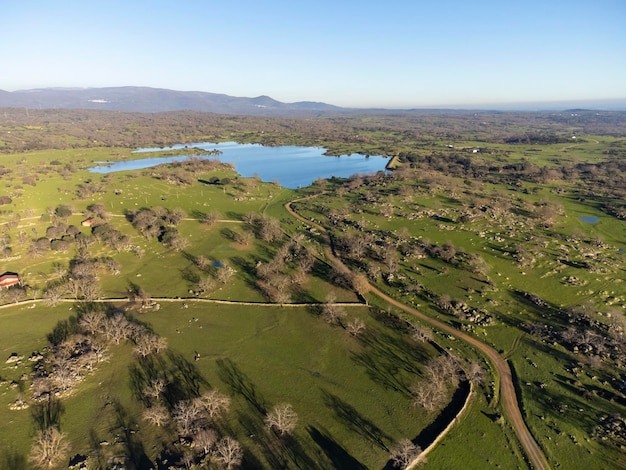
<point>152,100</point>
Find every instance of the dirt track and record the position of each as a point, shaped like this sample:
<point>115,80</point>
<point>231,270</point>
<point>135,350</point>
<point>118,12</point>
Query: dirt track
<point>534,453</point>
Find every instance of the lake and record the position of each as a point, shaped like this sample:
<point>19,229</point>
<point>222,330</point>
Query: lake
<point>291,166</point>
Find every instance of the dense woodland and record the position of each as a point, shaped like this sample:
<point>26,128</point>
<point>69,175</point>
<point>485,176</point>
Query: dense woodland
<point>384,133</point>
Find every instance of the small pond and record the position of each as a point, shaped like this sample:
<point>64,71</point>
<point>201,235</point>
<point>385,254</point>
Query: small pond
<point>589,219</point>
<point>290,166</point>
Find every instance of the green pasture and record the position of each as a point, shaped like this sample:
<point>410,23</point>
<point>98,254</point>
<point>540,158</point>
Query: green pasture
<point>563,401</point>
<point>478,440</point>
<point>351,394</point>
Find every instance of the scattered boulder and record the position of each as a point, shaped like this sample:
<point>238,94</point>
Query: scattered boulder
<point>14,357</point>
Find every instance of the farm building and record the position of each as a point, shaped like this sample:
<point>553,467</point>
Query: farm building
<point>9,279</point>
<point>87,222</point>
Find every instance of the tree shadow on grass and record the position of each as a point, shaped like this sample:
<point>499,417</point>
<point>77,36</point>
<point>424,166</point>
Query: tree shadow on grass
<point>195,213</point>
<point>183,379</point>
<point>321,270</point>
<point>190,274</point>
<point>302,296</point>
<point>229,234</point>
<point>347,415</point>
<point>292,451</point>
<point>247,267</point>
<point>279,451</point>
<point>233,215</point>
<point>253,424</point>
<point>97,456</point>
<point>339,457</point>
<point>125,428</point>
<point>13,460</point>
<point>47,413</point>
<point>143,372</point>
<point>388,359</point>
<point>241,384</point>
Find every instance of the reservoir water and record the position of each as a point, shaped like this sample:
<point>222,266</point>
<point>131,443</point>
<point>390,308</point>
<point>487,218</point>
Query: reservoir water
<point>290,166</point>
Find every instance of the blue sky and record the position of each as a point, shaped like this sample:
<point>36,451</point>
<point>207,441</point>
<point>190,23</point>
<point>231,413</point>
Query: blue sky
<point>394,53</point>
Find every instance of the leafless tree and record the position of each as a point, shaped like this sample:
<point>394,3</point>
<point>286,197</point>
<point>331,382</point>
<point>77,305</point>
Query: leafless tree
<point>404,453</point>
<point>306,259</point>
<point>98,211</point>
<point>445,303</point>
<point>15,294</point>
<point>268,229</point>
<point>174,216</point>
<point>355,245</point>
<point>64,374</point>
<point>281,296</point>
<point>266,270</point>
<point>210,219</point>
<point>476,373</point>
<point>49,449</point>
<point>154,388</point>
<point>300,276</point>
<point>147,343</point>
<point>243,238</point>
<point>428,394</point>
<point>157,414</point>
<point>53,294</point>
<point>444,368</point>
<point>420,334</point>
<point>205,284</point>
<point>117,328</point>
<point>229,452</point>
<point>215,403</point>
<point>355,326</point>
<point>99,348</point>
<point>178,243</point>
<point>282,418</point>
<point>331,312</point>
<point>224,273</point>
<point>360,284</point>
<point>92,323</point>
<point>249,218</point>
<point>188,416</point>
<point>390,258</point>
<point>204,440</point>
<point>186,459</point>
<point>202,262</point>
<point>478,264</point>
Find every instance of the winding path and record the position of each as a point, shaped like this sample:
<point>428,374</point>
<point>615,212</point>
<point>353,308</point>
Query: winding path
<point>508,396</point>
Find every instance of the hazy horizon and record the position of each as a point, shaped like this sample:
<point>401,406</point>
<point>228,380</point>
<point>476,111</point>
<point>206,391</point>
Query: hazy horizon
<point>351,54</point>
<point>609,104</point>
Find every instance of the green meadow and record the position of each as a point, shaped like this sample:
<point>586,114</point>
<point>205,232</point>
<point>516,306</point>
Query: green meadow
<point>489,241</point>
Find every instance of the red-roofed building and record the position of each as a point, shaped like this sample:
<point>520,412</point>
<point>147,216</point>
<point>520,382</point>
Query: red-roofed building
<point>9,279</point>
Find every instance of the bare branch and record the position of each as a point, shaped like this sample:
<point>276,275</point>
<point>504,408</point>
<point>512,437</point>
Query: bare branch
<point>283,418</point>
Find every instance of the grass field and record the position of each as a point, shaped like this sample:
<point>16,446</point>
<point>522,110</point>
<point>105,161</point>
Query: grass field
<point>352,395</point>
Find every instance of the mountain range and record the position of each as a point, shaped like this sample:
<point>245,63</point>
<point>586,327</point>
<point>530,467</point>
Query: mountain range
<point>151,100</point>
